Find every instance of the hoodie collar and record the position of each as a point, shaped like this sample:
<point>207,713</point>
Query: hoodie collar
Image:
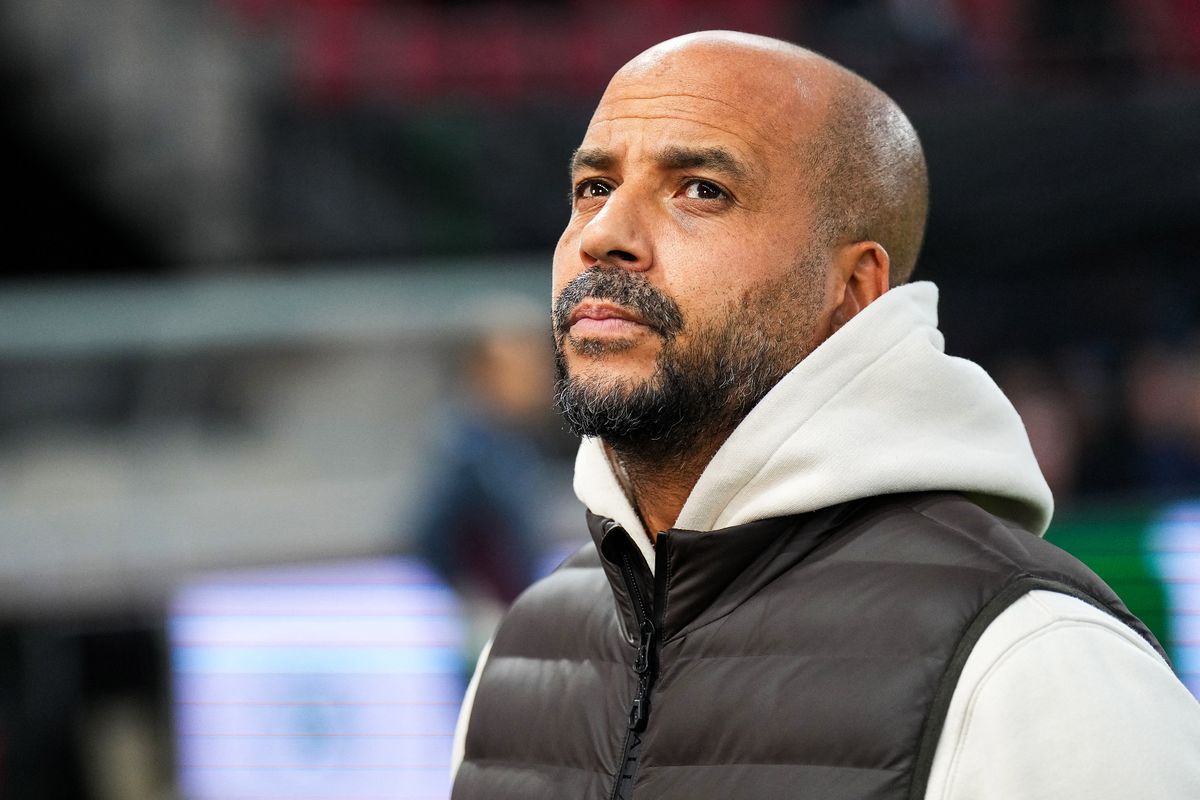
<point>878,408</point>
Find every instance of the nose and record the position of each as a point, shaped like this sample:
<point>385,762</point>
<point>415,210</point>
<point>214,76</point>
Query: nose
<point>617,236</point>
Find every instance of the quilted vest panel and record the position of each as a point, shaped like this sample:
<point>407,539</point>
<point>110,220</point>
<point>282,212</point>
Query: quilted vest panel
<point>802,657</point>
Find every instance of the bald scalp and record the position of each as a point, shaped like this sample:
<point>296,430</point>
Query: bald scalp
<point>869,181</point>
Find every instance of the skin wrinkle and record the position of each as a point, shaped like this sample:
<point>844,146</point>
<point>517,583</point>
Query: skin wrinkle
<point>681,110</point>
<point>649,117</point>
<point>683,94</point>
<point>718,101</point>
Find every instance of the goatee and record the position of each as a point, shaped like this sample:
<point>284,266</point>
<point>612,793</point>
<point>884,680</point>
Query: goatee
<point>701,388</point>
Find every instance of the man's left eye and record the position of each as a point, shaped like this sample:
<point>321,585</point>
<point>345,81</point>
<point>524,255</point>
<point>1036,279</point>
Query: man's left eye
<point>703,190</point>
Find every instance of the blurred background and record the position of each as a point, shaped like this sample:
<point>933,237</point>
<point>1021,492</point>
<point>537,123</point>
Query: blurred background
<point>275,439</point>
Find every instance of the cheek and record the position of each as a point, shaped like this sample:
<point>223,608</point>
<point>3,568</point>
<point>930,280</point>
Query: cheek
<point>768,257</point>
<point>693,261</point>
<point>565,265</point>
<point>708,272</point>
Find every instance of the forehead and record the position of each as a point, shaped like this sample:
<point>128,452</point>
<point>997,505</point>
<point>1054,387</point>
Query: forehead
<point>703,114</point>
<point>759,115</point>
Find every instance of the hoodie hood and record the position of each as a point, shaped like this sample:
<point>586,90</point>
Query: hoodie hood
<point>878,408</point>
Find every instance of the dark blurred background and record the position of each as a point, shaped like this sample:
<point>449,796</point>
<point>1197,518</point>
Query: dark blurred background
<point>259,253</point>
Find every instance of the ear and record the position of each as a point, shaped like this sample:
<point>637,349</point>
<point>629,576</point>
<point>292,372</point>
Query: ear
<point>861,272</point>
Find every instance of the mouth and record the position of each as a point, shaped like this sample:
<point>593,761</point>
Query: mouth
<point>612,309</point>
<point>599,318</point>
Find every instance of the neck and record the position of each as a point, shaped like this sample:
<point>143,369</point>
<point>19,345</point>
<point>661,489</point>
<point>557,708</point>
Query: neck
<point>660,484</point>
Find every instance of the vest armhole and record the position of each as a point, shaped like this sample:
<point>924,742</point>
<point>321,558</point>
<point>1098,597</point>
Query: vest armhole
<point>931,730</point>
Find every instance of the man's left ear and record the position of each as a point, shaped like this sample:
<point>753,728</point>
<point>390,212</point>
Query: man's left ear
<point>863,271</point>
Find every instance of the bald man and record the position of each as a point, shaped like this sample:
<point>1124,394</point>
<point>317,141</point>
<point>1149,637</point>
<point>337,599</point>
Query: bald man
<point>815,568</point>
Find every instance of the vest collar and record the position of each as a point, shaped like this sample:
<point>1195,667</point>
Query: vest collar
<point>703,575</point>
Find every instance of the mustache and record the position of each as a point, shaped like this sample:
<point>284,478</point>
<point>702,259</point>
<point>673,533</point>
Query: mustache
<point>627,289</point>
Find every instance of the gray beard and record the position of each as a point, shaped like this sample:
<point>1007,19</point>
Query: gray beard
<point>699,392</point>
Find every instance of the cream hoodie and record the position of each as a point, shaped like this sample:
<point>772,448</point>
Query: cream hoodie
<point>1058,699</point>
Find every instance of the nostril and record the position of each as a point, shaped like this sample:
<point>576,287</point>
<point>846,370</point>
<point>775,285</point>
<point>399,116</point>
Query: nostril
<point>624,255</point>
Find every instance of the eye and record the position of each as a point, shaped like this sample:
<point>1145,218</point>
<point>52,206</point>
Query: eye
<point>592,188</point>
<point>703,190</point>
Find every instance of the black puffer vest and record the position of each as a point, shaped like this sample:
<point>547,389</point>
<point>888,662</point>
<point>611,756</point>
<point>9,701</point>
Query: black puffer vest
<point>811,656</point>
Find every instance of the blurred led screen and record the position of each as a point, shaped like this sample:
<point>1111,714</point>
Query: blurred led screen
<point>322,681</point>
<point>1151,556</point>
<point>1176,547</point>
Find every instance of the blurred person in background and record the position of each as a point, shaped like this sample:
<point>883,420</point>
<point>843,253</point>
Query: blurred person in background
<point>1163,396</point>
<point>816,568</point>
<point>479,526</point>
<point>1051,419</point>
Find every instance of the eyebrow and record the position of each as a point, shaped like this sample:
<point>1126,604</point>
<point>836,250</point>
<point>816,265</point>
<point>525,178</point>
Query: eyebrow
<point>591,158</point>
<point>716,159</point>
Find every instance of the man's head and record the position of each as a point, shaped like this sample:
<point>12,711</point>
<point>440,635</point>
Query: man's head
<point>735,200</point>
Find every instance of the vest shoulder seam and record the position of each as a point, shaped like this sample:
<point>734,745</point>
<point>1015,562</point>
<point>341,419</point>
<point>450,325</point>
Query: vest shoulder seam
<point>587,659</point>
<point>532,765</point>
<point>962,531</point>
<point>851,767</point>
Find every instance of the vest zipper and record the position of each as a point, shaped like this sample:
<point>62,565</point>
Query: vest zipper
<point>645,667</point>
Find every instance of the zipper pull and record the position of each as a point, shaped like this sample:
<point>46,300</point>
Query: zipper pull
<point>639,712</point>
<point>641,664</point>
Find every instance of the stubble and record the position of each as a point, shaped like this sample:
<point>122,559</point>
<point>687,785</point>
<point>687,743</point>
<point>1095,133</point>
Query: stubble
<point>709,374</point>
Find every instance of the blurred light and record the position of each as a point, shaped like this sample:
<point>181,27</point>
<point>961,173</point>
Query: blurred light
<point>320,681</point>
<point>1175,542</point>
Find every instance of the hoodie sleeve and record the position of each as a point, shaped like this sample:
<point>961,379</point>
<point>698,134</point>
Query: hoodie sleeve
<point>1060,700</point>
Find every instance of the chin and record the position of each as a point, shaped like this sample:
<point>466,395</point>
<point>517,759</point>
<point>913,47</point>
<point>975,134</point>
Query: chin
<point>590,347</point>
<point>607,378</point>
<point>609,359</point>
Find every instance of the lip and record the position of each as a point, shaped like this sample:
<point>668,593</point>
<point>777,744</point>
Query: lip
<point>600,311</point>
